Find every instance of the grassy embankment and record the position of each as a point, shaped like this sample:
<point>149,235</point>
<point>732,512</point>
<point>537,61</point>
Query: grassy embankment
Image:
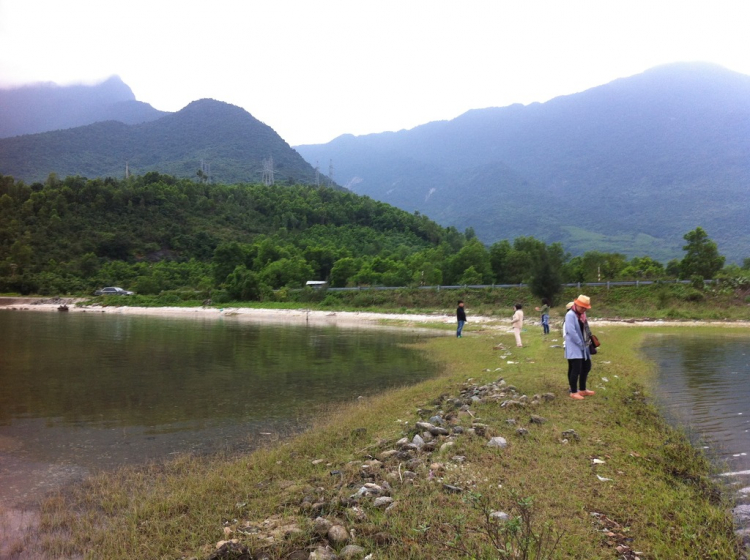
<point>660,500</point>
<point>655,301</point>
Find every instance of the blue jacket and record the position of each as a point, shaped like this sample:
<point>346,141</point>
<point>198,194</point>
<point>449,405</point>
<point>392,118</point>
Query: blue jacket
<point>575,345</point>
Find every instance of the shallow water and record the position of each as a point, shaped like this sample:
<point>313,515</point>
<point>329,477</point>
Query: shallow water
<point>81,392</point>
<point>704,385</point>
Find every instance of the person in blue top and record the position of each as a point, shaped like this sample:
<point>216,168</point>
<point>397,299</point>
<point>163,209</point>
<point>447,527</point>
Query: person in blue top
<point>577,347</point>
<point>545,315</point>
<point>461,318</point>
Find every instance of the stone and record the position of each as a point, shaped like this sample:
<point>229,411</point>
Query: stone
<point>382,502</point>
<point>323,553</point>
<point>537,419</point>
<point>437,431</point>
<point>424,426</point>
<point>385,455</point>
<point>351,551</point>
<point>403,441</point>
<point>452,489</point>
<point>497,441</point>
<point>427,436</point>
<point>571,434</point>
<point>511,421</point>
<point>321,526</point>
<point>499,516</point>
<point>338,534</point>
<point>447,445</point>
<point>418,441</point>
<point>437,467</point>
<point>522,432</point>
<point>437,420</point>
<point>458,430</point>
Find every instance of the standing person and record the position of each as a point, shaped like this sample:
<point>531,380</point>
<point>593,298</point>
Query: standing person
<point>577,347</point>
<point>545,315</point>
<point>517,322</point>
<point>460,317</point>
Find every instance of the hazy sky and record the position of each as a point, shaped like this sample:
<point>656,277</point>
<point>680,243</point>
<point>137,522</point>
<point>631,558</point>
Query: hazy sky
<point>315,69</point>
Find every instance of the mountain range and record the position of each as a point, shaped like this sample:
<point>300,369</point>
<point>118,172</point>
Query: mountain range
<point>43,107</point>
<point>222,141</point>
<point>629,166</point>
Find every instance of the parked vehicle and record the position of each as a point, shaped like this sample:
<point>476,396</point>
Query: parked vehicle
<point>113,291</point>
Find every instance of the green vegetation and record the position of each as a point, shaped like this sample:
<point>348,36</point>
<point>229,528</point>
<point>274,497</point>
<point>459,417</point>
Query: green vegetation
<point>657,496</point>
<point>179,241</point>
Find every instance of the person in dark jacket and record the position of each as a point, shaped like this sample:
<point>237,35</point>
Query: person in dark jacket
<point>461,317</point>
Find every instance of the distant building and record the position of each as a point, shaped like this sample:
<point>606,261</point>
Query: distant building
<point>316,283</point>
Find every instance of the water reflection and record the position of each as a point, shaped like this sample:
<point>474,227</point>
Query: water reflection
<point>704,384</point>
<point>81,391</point>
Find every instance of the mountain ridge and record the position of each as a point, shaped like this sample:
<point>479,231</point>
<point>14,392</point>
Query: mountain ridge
<point>224,136</point>
<point>655,155</point>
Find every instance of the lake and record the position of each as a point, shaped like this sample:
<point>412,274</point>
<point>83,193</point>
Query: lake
<point>87,391</point>
<point>704,385</point>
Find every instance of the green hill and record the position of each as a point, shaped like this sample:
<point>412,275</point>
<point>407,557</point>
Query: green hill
<point>156,232</point>
<point>205,135</point>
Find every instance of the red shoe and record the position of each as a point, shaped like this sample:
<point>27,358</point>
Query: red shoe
<point>576,396</point>
<point>586,393</point>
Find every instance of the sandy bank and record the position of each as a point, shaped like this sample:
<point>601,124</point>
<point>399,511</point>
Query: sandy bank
<point>339,318</point>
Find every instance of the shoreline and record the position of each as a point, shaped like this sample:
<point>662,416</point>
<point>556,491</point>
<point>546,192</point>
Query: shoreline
<point>347,319</point>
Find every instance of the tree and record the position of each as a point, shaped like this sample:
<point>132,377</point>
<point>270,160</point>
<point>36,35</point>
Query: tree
<point>546,279</point>
<point>702,257</point>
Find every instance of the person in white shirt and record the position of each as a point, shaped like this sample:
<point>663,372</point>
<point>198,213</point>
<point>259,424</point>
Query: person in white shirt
<point>517,322</point>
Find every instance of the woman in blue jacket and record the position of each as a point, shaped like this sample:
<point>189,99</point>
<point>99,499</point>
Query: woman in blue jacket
<point>577,347</point>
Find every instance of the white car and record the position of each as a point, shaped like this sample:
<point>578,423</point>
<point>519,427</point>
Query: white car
<point>113,291</point>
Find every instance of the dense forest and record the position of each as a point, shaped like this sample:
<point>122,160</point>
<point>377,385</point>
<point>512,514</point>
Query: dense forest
<point>156,233</point>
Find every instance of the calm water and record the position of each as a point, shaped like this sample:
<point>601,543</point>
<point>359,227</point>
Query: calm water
<point>704,384</point>
<point>87,391</point>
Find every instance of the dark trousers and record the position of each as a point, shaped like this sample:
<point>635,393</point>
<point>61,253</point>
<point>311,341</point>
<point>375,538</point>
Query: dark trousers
<point>578,372</point>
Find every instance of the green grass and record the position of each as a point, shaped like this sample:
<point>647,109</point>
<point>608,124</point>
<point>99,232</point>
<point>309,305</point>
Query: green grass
<point>661,500</point>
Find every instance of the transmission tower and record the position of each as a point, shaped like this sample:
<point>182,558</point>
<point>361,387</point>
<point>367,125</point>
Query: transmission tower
<point>317,173</point>
<point>127,170</point>
<point>330,171</point>
<point>268,171</point>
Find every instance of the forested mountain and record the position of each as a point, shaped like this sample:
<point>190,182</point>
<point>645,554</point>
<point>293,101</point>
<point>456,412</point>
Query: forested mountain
<point>157,232</point>
<point>44,107</point>
<point>628,166</point>
<point>230,143</point>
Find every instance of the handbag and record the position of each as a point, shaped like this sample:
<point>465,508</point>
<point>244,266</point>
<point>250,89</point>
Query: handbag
<point>594,341</point>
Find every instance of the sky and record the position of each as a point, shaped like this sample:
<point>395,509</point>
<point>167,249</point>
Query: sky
<point>316,69</point>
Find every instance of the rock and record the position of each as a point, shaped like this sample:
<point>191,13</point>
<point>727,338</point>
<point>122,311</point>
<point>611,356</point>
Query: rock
<point>437,420</point>
<point>298,555</point>
<point>447,445</point>
<point>382,502</point>
<point>511,421</point>
<point>537,419</point>
<point>480,429</point>
<point>571,434</point>
<point>424,426</point>
<point>458,430</point>
<point>458,459</point>
<point>499,442</point>
<point>522,432</point>
<point>499,516</point>
<point>323,553</point>
<point>338,534</point>
<point>382,538</point>
<point>452,489</point>
<point>321,526</point>
<point>351,551</point>
<point>385,455</point>
<point>436,431</point>
<point>417,441</point>
<point>403,441</point>
<point>318,461</point>
<point>231,550</point>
